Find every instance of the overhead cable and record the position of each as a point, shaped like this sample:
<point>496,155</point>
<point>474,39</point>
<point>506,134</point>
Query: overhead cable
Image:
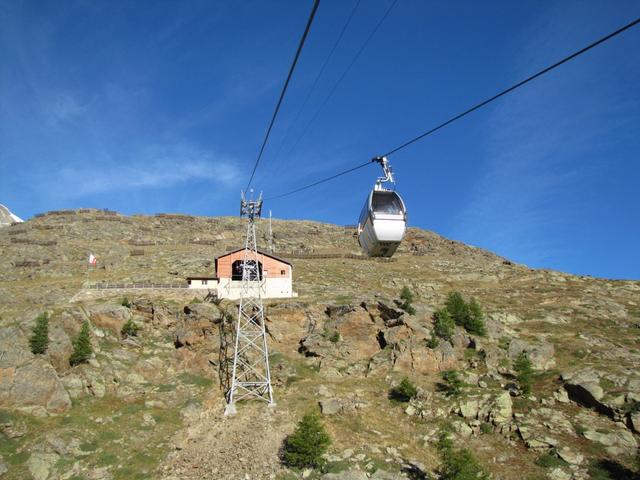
<point>344,74</point>
<point>468,111</point>
<point>319,181</point>
<point>319,74</point>
<point>284,89</point>
<point>514,87</point>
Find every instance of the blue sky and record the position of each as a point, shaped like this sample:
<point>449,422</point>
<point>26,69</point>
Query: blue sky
<point>149,107</point>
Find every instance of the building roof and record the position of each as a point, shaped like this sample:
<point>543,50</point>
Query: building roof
<point>266,254</point>
<point>202,278</point>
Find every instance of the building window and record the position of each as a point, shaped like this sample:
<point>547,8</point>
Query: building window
<point>283,272</point>
<point>204,282</point>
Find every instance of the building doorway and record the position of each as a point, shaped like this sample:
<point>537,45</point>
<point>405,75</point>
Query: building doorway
<point>237,267</point>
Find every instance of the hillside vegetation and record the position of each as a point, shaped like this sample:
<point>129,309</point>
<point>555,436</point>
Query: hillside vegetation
<point>525,374</point>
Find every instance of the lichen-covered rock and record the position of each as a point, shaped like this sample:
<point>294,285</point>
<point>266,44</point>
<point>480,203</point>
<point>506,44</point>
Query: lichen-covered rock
<point>346,475</point>
<point>28,381</point>
<point>204,313</point>
<point>635,421</point>
<point>37,384</point>
<point>415,356</point>
<point>74,385</point>
<point>570,456</point>
<point>541,354</point>
<point>462,429</point>
<point>501,409</point>
<point>110,316</point>
<point>469,408</point>
<point>330,406</point>
<point>618,442</point>
<point>60,348</point>
<point>40,464</point>
<point>584,387</point>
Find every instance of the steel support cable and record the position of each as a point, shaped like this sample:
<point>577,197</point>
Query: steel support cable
<point>344,74</point>
<point>472,109</point>
<point>514,87</point>
<point>320,72</point>
<point>284,89</point>
<point>319,181</point>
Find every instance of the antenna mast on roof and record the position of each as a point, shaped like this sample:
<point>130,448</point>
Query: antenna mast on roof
<point>251,377</point>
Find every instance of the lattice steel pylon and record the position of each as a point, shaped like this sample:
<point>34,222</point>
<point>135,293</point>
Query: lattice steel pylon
<point>251,377</point>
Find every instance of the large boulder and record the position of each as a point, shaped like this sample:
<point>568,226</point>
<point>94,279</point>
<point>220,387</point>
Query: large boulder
<point>203,314</point>
<point>618,442</point>
<point>37,384</point>
<point>541,354</point>
<point>315,345</point>
<point>493,408</point>
<point>501,409</point>
<point>345,475</point>
<point>144,308</point>
<point>41,465</point>
<point>110,316</point>
<point>287,324</point>
<point>330,406</point>
<point>415,356</point>
<point>28,382</point>
<point>583,387</point>
<point>358,335</point>
<point>60,348</point>
<point>384,315</point>
<point>418,329</point>
<point>634,419</point>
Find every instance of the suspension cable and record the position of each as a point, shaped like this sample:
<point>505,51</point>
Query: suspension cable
<point>315,82</point>
<point>470,110</point>
<point>320,181</point>
<point>514,87</point>
<point>284,89</point>
<point>342,77</point>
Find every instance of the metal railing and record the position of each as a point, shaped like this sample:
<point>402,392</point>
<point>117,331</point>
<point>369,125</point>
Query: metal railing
<point>130,286</point>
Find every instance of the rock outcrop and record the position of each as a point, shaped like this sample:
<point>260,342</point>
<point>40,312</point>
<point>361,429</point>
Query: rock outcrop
<point>28,382</point>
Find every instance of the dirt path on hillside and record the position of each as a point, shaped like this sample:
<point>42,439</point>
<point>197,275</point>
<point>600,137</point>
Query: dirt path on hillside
<point>243,446</point>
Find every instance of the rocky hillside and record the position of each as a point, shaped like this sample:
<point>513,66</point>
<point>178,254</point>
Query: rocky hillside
<point>150,406</point>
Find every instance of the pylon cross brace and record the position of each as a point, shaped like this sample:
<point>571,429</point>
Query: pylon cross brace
<point>251,377</point>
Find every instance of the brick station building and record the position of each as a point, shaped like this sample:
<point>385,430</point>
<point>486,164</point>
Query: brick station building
<point>276,274</point>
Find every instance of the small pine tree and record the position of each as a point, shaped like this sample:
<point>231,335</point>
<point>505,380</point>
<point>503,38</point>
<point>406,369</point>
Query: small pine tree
<point>39,340</point>
<point>130,329</point>
<point>444,326</point>
<point>475,319</point>
<point>432,342</point>
<point>458,308</point>
<point>406,295</point>
<point>306,446</point>
<point>82,349</point>
<point>524,372</point>
<point>459,464</point>
<point>452,383</point>
<point>405,391</point>
<point>125,302</point>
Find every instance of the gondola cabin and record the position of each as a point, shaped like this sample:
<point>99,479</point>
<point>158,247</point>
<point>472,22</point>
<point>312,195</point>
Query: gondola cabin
<point>382,223</point>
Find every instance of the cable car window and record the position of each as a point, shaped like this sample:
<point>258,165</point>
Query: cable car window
<point>388,204</point>
<point>364,213</point>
